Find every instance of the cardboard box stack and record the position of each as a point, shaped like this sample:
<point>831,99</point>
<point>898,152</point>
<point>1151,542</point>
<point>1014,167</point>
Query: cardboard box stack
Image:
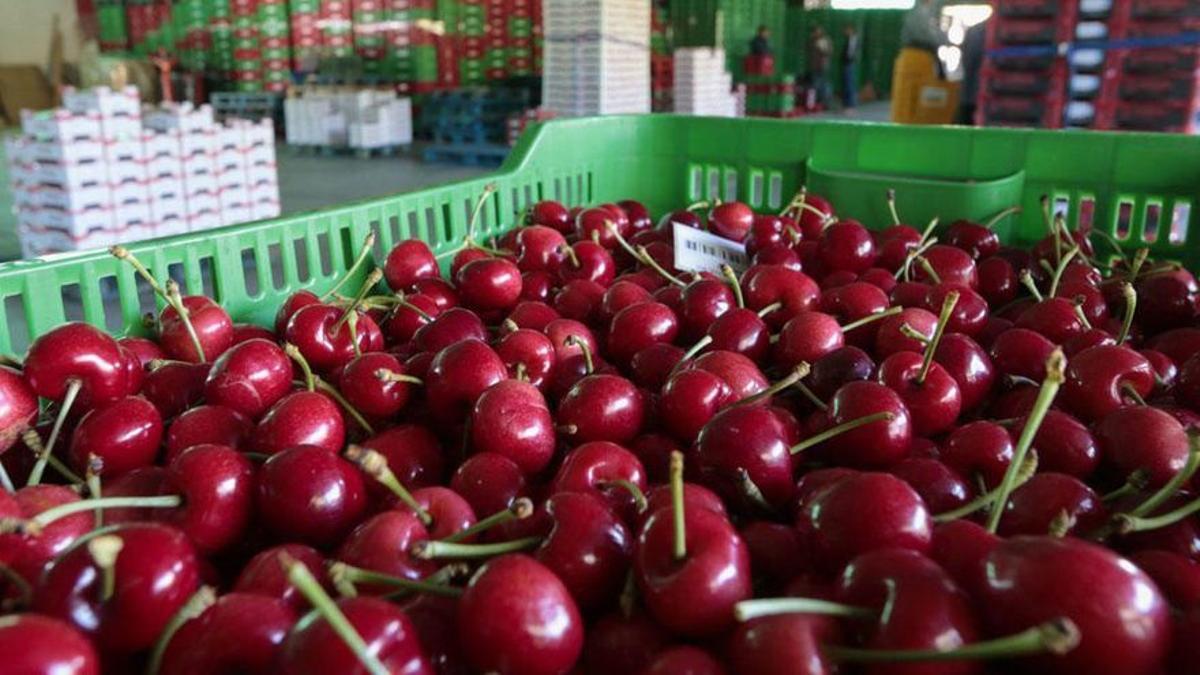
<point>363,119</point>
<point>597,57</point>
<point>702,85</point>
<point>97,172</point>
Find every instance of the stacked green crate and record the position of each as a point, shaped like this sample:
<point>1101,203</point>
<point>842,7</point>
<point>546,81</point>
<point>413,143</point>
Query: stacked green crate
<point>274,31</point>
<point>220,37</point>
<point>520,49</point>
<point>370,41</point>
<point>190,19</point>
<point>247,46</point>
<point>472,32</point>
<point>879,37</point>
<point>695,23</point>
<point>397,59</point>
<point>112,33</point>
<point>449,72</point>
<point>770,95</point>
<point>306,36</point>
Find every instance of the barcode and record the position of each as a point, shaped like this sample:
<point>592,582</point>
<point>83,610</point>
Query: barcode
<point>722,253</point>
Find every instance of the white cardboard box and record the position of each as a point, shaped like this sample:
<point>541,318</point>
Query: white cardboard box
<point>108,102</point>
<point>61,125</point>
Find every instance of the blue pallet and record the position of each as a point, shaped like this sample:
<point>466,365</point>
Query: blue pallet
<point>470,154</point>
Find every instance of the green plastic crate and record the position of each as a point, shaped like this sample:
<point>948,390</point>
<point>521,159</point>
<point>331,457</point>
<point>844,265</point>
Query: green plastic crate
<point>665,161</point>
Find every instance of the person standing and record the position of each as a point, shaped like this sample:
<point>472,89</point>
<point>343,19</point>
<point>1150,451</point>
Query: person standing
<point>849,63</point>
<point>972,63</point>
<point>917,65</point>
<point>922,29</point>
<point>761,45</point>
<point>820,52</point>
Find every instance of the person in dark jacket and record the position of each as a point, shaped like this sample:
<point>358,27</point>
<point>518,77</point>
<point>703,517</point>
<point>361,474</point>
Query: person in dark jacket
<point>849,62</point>
<point>760,45</point>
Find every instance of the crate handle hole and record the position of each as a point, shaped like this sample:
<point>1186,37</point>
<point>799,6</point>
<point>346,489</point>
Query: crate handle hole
<point>250,272</point>
<point>72,303</point>
<point>110,300</point>
<point>303,273</point>
<point>18,324</point>
<point>1124,220</point>
<point>275,261</point>
<point>1150,226</point>
<point>1180,218</point>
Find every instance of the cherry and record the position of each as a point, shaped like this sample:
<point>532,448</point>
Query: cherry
<point>34,644</point>
<point>847,245</point>
<point>539,248</point>
<point>245,331</point>
<point>878,443</point>
<point>1021,352</point>
<point>1180,344</point>
<point>639,326</point>
<point>1054,318</point>
<point>830,372</point>
<point>684,660</point>
<point>211,329</point>
<point>381,544</point>
<point>977,239</point>
<point>1121,616</point>
<point>588,261</point>
<point>264,574</point>
<point>121,588</point>
<point>310,494</point>
<point>511,418</point>
<point>998,282</point>
<point>854,301</point>
<point>439,290</point>
<point>981,449</point>
<point>408,317</point>
<point>623,293</point>
<point>967,362</point>
<point>28,553</point>
<point>1166,371</point>
<point>910,294</point>
<point>690,565</point>
<point>602,408</point>
<point>861,513</point>
<point>745,450</point>
<point>489,284</point>
<point>1167,300</point>
<point>929,393</point>
<point>940,487</point>
<point>588,548</point>
<point>739,372</point>
<point>386,637</point>
<point>704,301</point>
<point>579,299</point>
<point>594,224</point>
<point>1143,438</point>
<point>765,285</point>
<point>450,327</point>
<point>689,400</point>
<point>948,265</point>
<point>731,220</point>
<point>412,452</point>
<point>550,214</point>
<point>300,418</point>
<point>893,337</point>
<point>324,335</point>
<point>529,353</point>
<point>76,360</point>
<point>249,378</point>
<point>813,213</point>
<point>604,469</point>
<point>489,482</point>
<point>651,367</point>
<point>458,375</point>
<point>517,616</point>
<point>807,337</point>
<point>174,386</point>
<point>533,315</point>
<point>784,644</point>
<point>616,643</point>
<point>1052,503</point>
<point>18,407</point>
<point>206,424</point>
<point>240,632</point>
<point>407,263</point>
<point>1176,576</point>
<point>1102,379</point>
<point>376,384</point>
<point>123,434</point>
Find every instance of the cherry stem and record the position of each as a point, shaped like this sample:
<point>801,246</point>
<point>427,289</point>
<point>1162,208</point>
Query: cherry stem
<point>798,373</point>
<point>616,233</point>
<point>650,262</point>
<point>913,334</point>
<point>1057,636</point>
<point>943,320</point>
<point>34,443</point>
<point>1139,260</point>
<point>748,610</point>
<point>6,480</point>
<point>1128,523</point>
<point>1061,269</point>
<point>345,576</point>
<point>695,349</point>
<point>842,428</point>
<point>50,515</point>
<point>870,318</point>
<point>1173,486</point>
<point>1027,281</point>
<point>991,222</point>
<point>92,479</point>
<point>39,467</point>
<point>1027,470</point>
<point>1130,294</point>
<point>928,269</point>
<point>1132,393</point>
<point>402,302</point>
<point>293,352</point>
<point>385,375</point>
<point>913,254</point>
<point>444,576</point>
<point>104,550</point>
<point>369,283</point>
<point>175,300</point>
<point>430,550</point>
<point>375,465</point>
<point>928,232</point>
<point>201,600</point>
<point>677,513</point>
<point>303,580</point>
<point>1061,524</point>
<point>1055,366</point>
<point>363,254</point>
<point>521,372</point>
<point>797,199</point>
<point>488,190</point>
<point>762,313</point>
<point>1080,314</point>
<point>333,393</point>
<point>585,349</point>
<point>639,497</point>
<point>520,509</point>
<point>735,284</point>
<point>891,203</point>
<point>123,254</point>
<point>570,254</point>
<point>752,492</point>
<point>1134,484</point>
<point>22,587</point>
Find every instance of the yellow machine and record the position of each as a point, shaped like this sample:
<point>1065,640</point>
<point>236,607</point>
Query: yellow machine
<point>919,95</point>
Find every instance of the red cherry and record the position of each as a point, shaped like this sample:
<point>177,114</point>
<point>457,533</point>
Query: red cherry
<point>589,261</point>
<point>300,418</point>
<point>588,548</point>
<point>325,339</point>
<point>747,444</point>
<point>550,214</point>
<point>79,356</point>
<point>489,284</point>
<point>891,338</point>
<point>27,554</point>
<point>980,449</point>
<point>451,326</point>
<point>967,362</point>
<point>616,643</point>
<point>1100,379</point>
<point>240,632</point>
<point>210,322</point>
<point>18,407</point>
<point>1053,317</point>
<point>249,378</point>
<point>413,454</point>
<point>847,245</point>
<point>174,386</point>
<point>940,487</point>
<point>511,418</point>
<point>313,647</point>
<point>875,444</point>
<point>408,262</point>
<point>489,482</point>
<point>684,660</point>
<point>600,468</point>
<point>784,644</point>
<point>704,301</point>
<point>264,574</point>
<point>602,408</point>
<point>731,220</point>
<point>406,319</point>
<point>34,644</point>
<point>539,248</point>
<point>213,424</point>
<point>311,495</point>
<point>533,315</point>
<point>1145,438</point>
<point>638,327</point>
<point>765,285</point>
<point>806,338</point>
<point>124,435</point>
<point>382,543</point>
<point>294,303</point>
<point>153,571</point>
<point>516,616</point>
<point>1035,506</point>
<point>933,402</point>
<point>375,385</point>
<point>458,375</point>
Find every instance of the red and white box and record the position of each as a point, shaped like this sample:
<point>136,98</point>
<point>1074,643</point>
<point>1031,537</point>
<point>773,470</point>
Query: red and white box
<point>120,128</point>
<point>196,185</point>
<point>134,214</point>
<point>164,167</point>
<point>129,193</point>
<point>231,161</point>
<point>264,210</point>
<point>182,117</point>
<point>199,165</point>
<point>74,223</point>
<point>56,151</point>
<point>161,144</point>
<point>125,102</point>
<point>121,173</point>
<point>197,143</point>
<point>229,138</point>
<point>257,174</point>
<point>55,197</point>
<point>70,176</point>
<point>61,125</point>
<point>166,188</point>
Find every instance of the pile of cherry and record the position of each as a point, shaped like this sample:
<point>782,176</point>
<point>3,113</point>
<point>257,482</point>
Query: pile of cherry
<point>900,451</point>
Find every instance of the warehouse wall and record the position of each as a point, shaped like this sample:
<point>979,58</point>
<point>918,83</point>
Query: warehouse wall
<point>25,32</point>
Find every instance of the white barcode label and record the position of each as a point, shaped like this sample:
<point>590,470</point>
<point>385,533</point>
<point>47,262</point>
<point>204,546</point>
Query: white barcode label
<point>700,251</point>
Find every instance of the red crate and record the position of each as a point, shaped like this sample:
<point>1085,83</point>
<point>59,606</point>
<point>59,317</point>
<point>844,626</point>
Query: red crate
<point>1027,111</point>
<point>1030,8</point>
<point>1158,9</point>
<point>1163,87</point>
<point>1003,82</point>
<point>759,65</point>
<point>1171,59</point>
<point>1170,116</point>
<point>1050,30</point>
